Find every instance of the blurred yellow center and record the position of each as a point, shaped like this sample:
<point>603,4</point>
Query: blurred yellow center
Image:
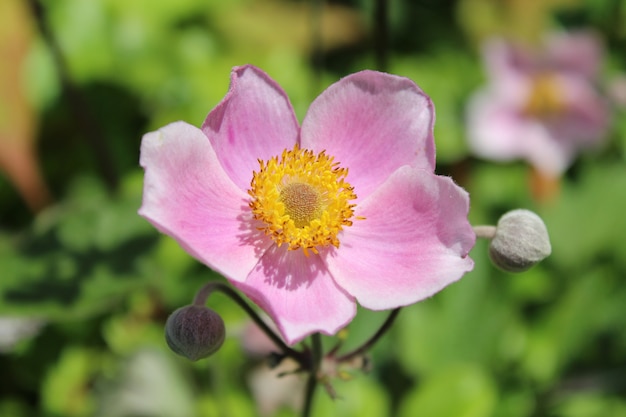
<point>302,203</point>
<point>546,97</point>
<point>302,199</point>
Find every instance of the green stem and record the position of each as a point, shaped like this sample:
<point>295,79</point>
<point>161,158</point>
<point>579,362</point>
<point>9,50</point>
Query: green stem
<point>372,340</point>
<point>381,34</point>
<point>82,113</point>
<point>311,384</point>
<point>203,294</point>
<point>485,231</point>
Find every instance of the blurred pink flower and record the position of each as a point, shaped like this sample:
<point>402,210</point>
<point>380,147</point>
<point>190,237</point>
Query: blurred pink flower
<point>540,105</point>
<point>271,206</point>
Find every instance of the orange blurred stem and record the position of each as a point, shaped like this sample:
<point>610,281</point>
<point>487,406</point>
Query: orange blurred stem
<point>545,188</point>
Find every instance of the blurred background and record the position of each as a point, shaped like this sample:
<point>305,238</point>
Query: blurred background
<point>86,284</point>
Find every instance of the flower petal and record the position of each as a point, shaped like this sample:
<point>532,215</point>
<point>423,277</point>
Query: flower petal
<point>414,241</point>
<point>495,129</point>
<point>580,52</point>
<point>188,196</point>
<point>254,121</point>
<point>372,123</point>
<point>587,119</point>
<point>298,293</point>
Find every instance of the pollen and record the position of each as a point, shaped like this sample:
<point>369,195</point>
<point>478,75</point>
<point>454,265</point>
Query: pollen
<point>546,97</point>
<point>302,199</point>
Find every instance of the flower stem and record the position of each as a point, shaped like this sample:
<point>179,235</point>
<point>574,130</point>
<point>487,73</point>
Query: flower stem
<point>381,34</point>
<point>368,344</point>
<point>486,232</point>
<point>82,112</point>
<point>203,294</point>
<point>311,384</point>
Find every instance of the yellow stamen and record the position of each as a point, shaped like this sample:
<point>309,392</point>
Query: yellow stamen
<point>546,98</point>
<point>302,199</point>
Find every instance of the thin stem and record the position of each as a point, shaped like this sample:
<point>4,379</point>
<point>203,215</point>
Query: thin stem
<point>485,232</point>
<point>317,47</point>
<point>311,383</point>
<point>368,345</point>
<point>203,294</point>
<point>381,34</point>
<point>83,115</point>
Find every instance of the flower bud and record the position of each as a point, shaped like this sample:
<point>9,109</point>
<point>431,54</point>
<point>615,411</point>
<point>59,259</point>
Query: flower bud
<point>195,332</point>
<point>521,240</point>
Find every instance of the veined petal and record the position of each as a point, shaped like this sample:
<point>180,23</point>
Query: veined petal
<point>254,121</point>
<point>372,123</point>
<point>414,241</point>
<point>188,196</point>
<point>298,293</point>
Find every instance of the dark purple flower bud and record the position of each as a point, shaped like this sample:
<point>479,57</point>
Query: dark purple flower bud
<point>195,332</point>
<point>521,240</point>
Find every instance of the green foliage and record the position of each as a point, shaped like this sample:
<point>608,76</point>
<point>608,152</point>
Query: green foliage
<point>466,390</point>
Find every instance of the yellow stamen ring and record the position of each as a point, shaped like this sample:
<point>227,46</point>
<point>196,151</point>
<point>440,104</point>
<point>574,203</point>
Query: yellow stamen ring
<point>302,199</point>
<point>546,98</point>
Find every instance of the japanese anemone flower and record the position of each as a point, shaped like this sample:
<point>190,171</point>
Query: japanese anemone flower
<point>306,221</point>
<point>541,105</point>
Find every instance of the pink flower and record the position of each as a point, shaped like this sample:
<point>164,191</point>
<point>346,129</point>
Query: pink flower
<point>272,205</point>
<point>541,106</point>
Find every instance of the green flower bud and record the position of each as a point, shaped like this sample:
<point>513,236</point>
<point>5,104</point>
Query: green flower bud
<point>195,332</point>
<point>521,240</point>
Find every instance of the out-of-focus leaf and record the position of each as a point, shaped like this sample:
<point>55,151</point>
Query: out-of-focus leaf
<point>498,188</point>
<point>518,19</point>
<point>271,23</point>
<point>235,403</point>
<point>359,397</point>
<point>127,333</point>
<point>470,321</point>
<point>13,408</point>
<point>65,390</point>
<point>591,405</point>
<point>520,402</point>
<point>455,391</point>
<point>584,223</point>
<point>82,256</point>
<point>568,328</point>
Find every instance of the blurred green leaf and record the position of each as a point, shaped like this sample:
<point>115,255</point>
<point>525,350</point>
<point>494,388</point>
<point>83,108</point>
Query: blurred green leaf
<point>583,223</point>
<point>358,397</point>
<point>80,257</point>
<point>454,391</point>
<point>65,390</point>
<point>591,405</point>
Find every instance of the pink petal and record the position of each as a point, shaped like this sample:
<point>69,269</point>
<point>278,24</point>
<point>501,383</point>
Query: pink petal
<point>509,68</point>
<point>495,129</point>
<point>498,132</point>
<point>188,196</point>
<point>372,123</point>
<point>414,241</point>
<point>579,52</point>
<point>588,113</point>
<point>546,152</point>
<point>254,121</point>
<point>298,293</point>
